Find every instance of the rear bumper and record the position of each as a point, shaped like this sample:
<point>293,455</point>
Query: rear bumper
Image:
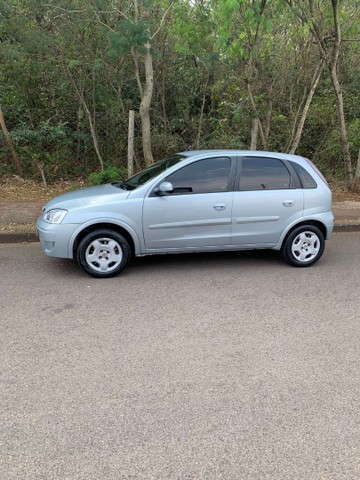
<point>328,220</point>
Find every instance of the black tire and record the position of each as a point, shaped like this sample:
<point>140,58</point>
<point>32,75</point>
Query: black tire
<point>304,246</point>
<point>103,253</point>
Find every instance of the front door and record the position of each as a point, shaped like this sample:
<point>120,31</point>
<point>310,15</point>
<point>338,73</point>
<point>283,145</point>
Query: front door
<point>197,213</point>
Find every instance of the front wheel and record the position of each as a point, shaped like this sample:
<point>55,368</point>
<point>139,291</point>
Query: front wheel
<point>304,246</point>
<point>103,253</point>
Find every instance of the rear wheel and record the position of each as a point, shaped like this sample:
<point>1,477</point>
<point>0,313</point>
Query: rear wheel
<point>103,253</point>
<point>304,246</point>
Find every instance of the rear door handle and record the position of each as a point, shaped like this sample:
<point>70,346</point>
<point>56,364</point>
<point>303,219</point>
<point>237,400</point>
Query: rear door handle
<point>288,203</point>
<point>219,206</point>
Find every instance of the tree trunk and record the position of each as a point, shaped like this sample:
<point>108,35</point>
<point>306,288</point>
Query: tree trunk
<point>90,119</point>
<point>355,186</point>
<point>9,141</point>
<point>257,117</point>
<point>357,173</point>
<point>342,124</point>
<point>163,90</point>
<point>268,120</point>
<point>42,173</point>
<point>137,70</point>
<point>93,133</point>
<point>131,143</point>
<point>145,107</point>
<point>254,134</point>
<point>145,91</point>
<point>333,69</point>
<point>201,115</point>
<point>300,125</point>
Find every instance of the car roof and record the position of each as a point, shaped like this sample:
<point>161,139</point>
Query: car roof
<point>192,153</point>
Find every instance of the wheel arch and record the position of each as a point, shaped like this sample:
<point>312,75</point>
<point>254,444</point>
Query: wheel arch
<point>107,226</point>
<point>315,223</point>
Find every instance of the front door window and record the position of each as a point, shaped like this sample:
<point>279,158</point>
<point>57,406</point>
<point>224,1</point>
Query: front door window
<point>205,176</point>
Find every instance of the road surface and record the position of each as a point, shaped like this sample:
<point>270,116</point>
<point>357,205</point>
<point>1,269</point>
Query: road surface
<point>214,366</point>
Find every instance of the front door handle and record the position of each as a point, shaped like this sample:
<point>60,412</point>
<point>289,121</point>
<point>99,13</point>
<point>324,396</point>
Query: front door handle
<point>288,203</point>
<point>219,206</point>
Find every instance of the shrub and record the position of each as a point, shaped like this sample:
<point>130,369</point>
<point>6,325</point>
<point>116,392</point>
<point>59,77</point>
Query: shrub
<point>110,174</point>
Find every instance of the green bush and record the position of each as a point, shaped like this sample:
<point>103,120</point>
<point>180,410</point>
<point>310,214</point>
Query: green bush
<point>110,174</point>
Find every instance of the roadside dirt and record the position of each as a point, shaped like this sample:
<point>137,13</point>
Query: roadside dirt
<point>16,189</point>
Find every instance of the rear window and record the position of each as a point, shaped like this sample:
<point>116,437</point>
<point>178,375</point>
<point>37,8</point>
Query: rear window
<point>305,178</point>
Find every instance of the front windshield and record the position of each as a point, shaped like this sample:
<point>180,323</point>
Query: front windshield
<point>151,172</point>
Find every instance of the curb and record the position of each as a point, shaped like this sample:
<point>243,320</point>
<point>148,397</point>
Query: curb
<point>31,237</point>
<point>347,228</point>
<point>23,237</point>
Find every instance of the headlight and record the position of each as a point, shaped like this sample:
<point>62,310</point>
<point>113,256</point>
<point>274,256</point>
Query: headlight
<point>54,216</point>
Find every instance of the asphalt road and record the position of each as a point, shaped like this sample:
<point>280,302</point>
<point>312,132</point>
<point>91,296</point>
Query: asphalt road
<point>226,366</point>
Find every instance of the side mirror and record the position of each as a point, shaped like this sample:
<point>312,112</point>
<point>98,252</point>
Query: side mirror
<point>164,188</point>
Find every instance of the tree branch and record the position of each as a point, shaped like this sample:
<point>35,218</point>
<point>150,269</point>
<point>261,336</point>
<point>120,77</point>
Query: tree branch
<point>162,21</point>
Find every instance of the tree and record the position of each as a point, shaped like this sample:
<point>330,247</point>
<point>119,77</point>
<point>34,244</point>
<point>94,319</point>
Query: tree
<point>199,74</point>
<point>134,34</point>
<point>11,145</point>
<point>326,31</point>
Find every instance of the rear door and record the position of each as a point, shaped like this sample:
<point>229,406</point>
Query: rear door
<point>267,198</point>
<point>198,211</point>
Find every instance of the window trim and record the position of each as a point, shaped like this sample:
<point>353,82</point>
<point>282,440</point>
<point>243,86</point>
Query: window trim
<point>294,180</point>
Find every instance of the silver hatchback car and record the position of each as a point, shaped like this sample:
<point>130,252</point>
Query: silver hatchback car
<point>197,201</point>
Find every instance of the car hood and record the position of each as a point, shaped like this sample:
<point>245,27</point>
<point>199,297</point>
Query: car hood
<point>102,194</point>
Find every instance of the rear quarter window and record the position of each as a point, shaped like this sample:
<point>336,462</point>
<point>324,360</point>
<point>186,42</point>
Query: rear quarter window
<point>305,178</point>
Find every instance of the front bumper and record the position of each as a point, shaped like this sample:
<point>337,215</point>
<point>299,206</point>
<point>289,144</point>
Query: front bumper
<point>54,238</point>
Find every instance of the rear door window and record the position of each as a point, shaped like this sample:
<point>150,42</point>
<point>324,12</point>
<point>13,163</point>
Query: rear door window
<point>262,173</point>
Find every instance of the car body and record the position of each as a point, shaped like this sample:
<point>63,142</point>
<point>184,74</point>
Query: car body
<point>210,200</point>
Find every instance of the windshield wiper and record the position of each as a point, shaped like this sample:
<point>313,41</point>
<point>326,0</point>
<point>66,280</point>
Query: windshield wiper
<point>123,185</point>
<point>119,184</point>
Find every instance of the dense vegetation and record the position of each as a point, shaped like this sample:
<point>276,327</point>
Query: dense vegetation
<point>281,75</point>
